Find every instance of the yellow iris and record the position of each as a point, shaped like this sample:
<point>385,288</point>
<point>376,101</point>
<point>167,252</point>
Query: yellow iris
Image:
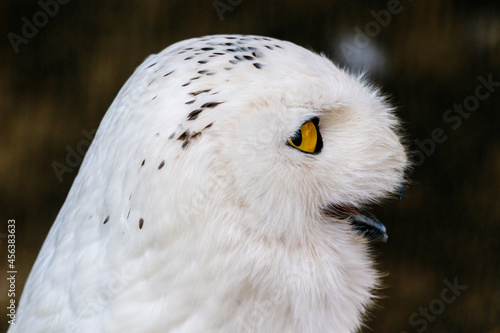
<point>307,138</point>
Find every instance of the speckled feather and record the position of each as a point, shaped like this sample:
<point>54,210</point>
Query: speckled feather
<point>191,213</point>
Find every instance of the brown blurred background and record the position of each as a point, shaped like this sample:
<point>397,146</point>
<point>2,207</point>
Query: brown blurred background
<point>427,58</point>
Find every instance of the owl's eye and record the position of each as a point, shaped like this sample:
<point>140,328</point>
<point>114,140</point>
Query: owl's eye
<point>308,138</point>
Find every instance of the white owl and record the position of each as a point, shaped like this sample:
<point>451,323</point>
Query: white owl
<point>223,192</point>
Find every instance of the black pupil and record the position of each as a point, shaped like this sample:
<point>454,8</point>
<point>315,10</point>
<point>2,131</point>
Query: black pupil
<point>297,138</point>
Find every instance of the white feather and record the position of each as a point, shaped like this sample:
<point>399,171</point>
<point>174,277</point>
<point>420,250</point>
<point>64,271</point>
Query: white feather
<point>233,237</point>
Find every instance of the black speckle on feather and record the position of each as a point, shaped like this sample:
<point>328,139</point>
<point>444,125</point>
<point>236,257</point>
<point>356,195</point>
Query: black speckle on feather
<point>196,93</point>
<point>194,114</point>
<point>195,135</point>
<point>184,135</point>
<point>211,105</point>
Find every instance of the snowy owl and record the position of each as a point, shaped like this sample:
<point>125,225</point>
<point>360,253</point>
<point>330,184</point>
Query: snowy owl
<point>224,192</point>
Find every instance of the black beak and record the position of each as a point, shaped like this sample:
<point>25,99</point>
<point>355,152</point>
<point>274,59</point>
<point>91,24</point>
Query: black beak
<point>369,227</point>
<point>363,222</point>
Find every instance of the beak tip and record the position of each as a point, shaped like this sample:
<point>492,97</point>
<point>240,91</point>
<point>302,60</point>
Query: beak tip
<point>369,227</point>
<point>384,238</point>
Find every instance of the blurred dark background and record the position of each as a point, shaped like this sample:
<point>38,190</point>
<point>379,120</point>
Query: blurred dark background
<point>427,55</point>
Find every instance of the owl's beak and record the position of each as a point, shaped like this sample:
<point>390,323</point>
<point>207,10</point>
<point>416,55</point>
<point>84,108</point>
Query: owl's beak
<point>363,222</point>
<point>369,227</point>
